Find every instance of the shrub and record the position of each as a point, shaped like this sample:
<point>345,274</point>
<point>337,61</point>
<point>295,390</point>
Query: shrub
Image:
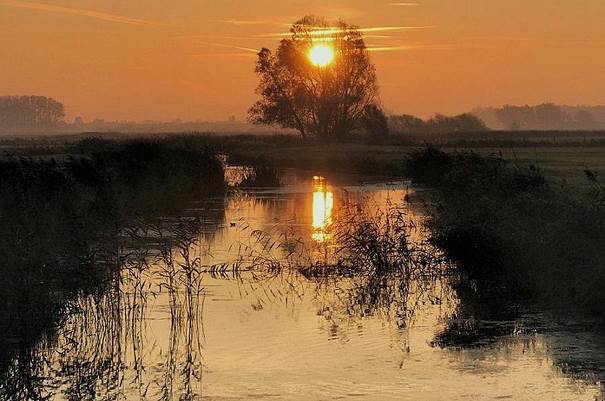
<point>508,230</point>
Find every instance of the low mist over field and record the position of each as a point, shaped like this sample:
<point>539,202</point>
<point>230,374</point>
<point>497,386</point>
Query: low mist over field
<point>34,115</point>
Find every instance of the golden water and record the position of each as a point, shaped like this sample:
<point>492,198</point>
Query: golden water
<point>286,336</point>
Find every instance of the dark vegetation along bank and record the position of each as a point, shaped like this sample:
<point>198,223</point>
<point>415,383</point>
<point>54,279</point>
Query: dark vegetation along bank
<point>62,224</point>
<point>515,234</point>
<point>69,218</point>
<point>511,230</point>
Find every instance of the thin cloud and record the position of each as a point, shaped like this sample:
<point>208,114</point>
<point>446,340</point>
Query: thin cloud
<point>255,37</point>
<point>213,37</point>
<point>77,12</point>
<point>246,49</point>
<point>212,55</point>
<point>395,28</point>
<point>335,30</point>
<point>388,48</point>
<point>252,22</point>
<point>411,47</point>
<point>405,4</point>
<point>377,36</point>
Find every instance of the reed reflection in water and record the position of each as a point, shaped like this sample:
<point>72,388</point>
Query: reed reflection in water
<point>172,327</point>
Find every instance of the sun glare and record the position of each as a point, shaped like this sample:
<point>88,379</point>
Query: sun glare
<point>321,55</point>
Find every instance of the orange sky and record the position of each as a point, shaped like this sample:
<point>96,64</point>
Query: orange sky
<point>192,59</point>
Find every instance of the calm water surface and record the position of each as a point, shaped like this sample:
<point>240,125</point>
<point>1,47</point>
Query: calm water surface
<point>282,334</point>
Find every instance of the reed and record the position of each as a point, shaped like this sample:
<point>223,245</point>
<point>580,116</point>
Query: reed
<point>511,231</point>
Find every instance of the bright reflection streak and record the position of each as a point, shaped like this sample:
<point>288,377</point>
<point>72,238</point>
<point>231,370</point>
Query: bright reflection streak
<point>323,204</point>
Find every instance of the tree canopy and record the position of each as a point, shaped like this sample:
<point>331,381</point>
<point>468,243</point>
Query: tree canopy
<point>545,116</point>
<point>327,99</point>
<point>30,112</point>
<point>439,124</point>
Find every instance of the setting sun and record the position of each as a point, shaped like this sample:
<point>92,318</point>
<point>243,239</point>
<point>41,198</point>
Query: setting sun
<point>321,55</point>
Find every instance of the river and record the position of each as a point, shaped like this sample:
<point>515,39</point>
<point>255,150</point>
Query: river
<point>251,319</point>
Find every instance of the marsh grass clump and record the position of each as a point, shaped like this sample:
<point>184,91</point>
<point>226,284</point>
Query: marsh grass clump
<point>156,174</point>
<point>513,232</point>
<point>382,265</point>
<point>63,225</point>
<point>264,174</point>
<point>379,240</point>
<point>84,353</point>
<point>56,241</point>
<point>49,214</point>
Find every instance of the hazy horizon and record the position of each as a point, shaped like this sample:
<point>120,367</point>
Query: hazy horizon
<point>195,60</point>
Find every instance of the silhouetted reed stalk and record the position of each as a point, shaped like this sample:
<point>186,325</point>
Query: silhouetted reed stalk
<point>106,348</point>
<point>377,240</point>
<point>376,261</point>
<point>66,279</point>
<point>103,347</point>
<point>180,274</point>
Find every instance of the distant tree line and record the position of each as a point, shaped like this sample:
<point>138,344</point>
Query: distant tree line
<point>24,113</point>
<point>40,114</point>
<point>546,116</point>
<point>439,124</point>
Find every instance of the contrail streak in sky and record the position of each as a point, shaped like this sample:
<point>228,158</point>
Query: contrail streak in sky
<point>77,12</point>
<point>334,30</point>
<point>247,49</point>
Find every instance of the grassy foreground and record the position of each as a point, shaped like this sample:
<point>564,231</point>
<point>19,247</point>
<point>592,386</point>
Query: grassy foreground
<point>560,164</point>
<point>514,233</point>
<point>560,161</point>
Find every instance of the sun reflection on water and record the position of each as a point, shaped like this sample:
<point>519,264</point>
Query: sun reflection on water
<point>323,204</point>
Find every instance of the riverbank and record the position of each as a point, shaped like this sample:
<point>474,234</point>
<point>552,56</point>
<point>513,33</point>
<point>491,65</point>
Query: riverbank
<point>159,271</point>
<point>495,210</point>
<point>513,232</point>
<point>63,225</point>
<point>561,161</point>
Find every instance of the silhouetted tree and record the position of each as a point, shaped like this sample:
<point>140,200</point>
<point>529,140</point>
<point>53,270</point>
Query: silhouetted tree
<point>546,116</point>
<point>375,122</point>
<point>515,117</point>
<point>439,124</point>
<point>549,116</point>
<point>460,123</point>
<point>407,124</point>
<point>325,101</point>
<point>30,112</point>
<point>584,119</point>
